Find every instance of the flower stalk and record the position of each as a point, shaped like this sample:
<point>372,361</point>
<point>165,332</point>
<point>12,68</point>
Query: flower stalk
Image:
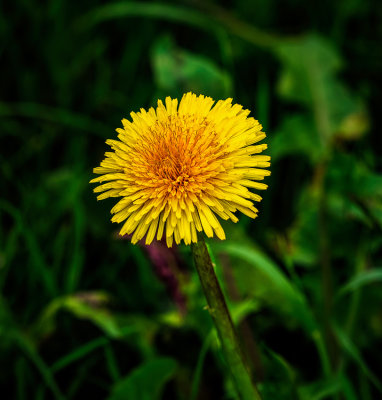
<point>223,322</point>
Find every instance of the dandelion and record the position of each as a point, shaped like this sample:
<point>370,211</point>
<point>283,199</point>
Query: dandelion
<point>179,168</point>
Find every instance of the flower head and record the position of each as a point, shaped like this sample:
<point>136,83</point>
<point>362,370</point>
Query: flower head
<point>179,167</point>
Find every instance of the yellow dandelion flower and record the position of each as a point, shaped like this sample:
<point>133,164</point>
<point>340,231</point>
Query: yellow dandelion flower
<point>179,167</point>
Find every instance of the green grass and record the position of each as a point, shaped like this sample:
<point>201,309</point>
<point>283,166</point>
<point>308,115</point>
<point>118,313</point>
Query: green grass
<point>85,313</point>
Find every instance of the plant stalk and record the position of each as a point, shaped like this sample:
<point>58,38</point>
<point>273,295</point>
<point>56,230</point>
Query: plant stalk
<point>223,323</point>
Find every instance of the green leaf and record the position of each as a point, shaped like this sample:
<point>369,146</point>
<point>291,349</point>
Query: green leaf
<point>359,186</point>
<point>348,389</point>
<point>290,299</point>
<point>321,390</point>
<point>310,65</point>
<point>79,352</point>
<point>362,279</point>
<point>239,310</point>
<point>297,134</point>
<point>355,354</point>
<point>170,12</point>
<point>145,382</point>
<point>177,71</point>
<point>89,306</point>
<point>325,389</point>
<point>280,380</point>
<point>350,175</point>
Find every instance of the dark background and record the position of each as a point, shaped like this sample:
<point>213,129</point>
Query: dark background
<point>83,313</point>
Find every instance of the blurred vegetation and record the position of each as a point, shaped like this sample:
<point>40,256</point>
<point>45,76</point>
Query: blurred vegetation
<point>84,313</point>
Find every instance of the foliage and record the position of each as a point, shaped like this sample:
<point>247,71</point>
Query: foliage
<point>85,313</point>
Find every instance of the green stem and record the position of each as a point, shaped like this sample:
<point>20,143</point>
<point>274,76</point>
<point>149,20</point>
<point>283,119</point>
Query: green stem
<point>223,323</point>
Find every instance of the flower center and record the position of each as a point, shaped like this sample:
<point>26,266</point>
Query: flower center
<point>173,151</point>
